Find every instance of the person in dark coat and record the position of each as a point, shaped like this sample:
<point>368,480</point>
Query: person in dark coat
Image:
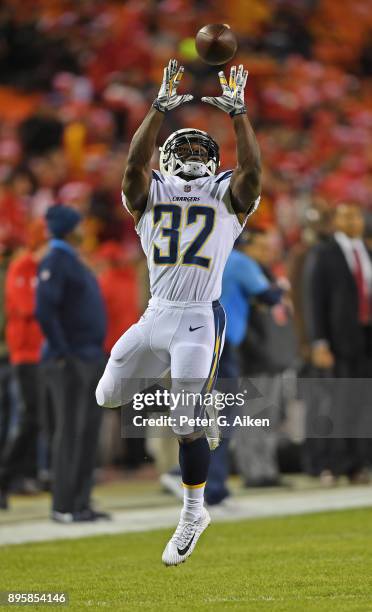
<point>243,281</point>
<point>70,310</point>
<point>338,293</point>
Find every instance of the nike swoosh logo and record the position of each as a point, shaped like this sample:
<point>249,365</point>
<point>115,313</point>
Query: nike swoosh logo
<point>195,328</point>
<point>183,551</point>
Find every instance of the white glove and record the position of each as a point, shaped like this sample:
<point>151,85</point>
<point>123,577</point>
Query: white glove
<point>167,98</point>
<point>232,99</point>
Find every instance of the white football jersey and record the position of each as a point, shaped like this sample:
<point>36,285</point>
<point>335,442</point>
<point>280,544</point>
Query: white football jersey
<point>187,232</point>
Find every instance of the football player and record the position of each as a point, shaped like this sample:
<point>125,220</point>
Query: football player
<point>188,217</point>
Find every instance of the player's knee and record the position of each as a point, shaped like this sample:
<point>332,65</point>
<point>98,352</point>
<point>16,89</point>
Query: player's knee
<point>105,392</point>
<point>184,430</point>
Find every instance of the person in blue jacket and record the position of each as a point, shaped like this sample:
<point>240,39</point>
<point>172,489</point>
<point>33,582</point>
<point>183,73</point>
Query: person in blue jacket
<point>70,310</point>
<point>243,280</point>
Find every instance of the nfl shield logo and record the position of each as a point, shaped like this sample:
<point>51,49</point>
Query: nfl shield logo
<point>187,188</point>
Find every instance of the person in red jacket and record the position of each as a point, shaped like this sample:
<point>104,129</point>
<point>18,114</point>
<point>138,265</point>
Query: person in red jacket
<point>24,340</point>
<point>118,281</point>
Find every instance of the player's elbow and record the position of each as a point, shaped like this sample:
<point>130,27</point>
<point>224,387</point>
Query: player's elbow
<point>251,174</point>
<point>248,185</point>
<point>253,179</point>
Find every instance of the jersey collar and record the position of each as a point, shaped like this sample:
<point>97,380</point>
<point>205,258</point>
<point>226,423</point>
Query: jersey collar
<point>196,181</point>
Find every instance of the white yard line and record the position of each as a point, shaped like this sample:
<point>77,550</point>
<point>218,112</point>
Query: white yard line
<point>146,520</point>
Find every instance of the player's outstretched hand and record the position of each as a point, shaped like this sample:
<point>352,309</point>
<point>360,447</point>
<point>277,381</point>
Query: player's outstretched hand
<point>167,98</point>
<point>232,99</point>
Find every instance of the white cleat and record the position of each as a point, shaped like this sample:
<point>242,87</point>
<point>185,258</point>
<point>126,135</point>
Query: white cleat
<point>184,539</point>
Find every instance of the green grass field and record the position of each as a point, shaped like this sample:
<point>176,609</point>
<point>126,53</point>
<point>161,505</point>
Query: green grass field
<point>312,562</point>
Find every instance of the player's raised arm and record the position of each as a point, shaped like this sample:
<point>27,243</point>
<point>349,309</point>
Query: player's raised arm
<point>245,182</point>
<point>137,176</point>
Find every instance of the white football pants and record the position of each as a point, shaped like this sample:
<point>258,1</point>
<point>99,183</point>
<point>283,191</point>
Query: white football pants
<point>183,337</point>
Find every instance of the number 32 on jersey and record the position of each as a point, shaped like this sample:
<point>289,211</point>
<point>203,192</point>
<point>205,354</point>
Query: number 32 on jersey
<point>172,232</point>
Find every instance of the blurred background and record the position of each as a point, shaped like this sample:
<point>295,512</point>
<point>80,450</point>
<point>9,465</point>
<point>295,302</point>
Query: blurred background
<point>76,79</point>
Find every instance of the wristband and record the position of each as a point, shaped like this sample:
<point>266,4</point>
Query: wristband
<point>239,111</point>
<point>156,104</point>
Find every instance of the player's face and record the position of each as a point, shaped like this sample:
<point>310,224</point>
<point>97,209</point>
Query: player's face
<point>192,152</point>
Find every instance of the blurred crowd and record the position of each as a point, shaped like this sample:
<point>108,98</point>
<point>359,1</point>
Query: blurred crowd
<point>77,78</point>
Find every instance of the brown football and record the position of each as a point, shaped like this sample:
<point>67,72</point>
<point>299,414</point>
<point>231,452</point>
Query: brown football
<point>216,43</point>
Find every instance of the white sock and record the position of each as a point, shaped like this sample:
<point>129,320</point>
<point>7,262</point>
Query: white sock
<point>193,501</point>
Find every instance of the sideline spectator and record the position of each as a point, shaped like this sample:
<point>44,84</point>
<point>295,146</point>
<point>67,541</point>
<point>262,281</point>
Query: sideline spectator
<point>338,292</point>
<point>118,280</point>
<point>242,281</point>
<point>24,339</point>
<point>71,313</point>
<point>5,367</point>
<point>317,228</point>
<point>269,349</point>
<point>119,286</point>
